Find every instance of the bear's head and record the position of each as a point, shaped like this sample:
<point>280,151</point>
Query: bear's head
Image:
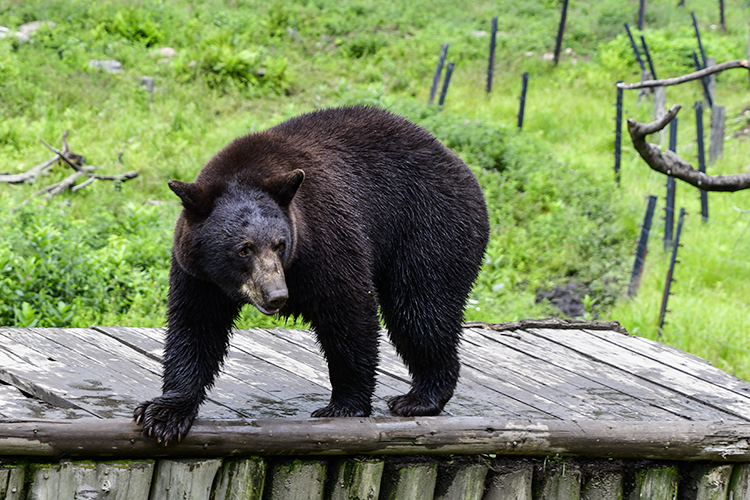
<point>239,237</point>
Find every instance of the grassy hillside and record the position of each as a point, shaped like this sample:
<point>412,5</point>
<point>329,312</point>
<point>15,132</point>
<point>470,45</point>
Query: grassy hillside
<point>559,222</point>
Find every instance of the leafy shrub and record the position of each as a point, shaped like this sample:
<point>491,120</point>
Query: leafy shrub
<point>223,62</point>
<point>57,270</point>
<point>133,24</point>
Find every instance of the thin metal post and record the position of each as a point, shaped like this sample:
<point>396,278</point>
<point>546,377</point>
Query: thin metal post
<point>721,16</point>
<point>648,58</point>
<point>522,107</point>
<point>635,48</point>
<point>642,251</point>
<point>438,72</point>
<point>446,82</point>
<point>671,188</point>
<point>560,31</point>
<point>698,36</point>
<point>618,135</point>
<point>701,156</point>
<point>670,273</point>
<point>704,82</point>
<point>491,67</point>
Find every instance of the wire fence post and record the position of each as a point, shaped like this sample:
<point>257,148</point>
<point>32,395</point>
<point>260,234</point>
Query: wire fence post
<point>704,82</point>
<point>701,156</point>
<point>438,72</point>
<point>618,135</point>
<point>491,66</point>
<point>635,49</point>
<point>560,31</point>
<point>670,273</point>
<point>642,251</point>
<point>648,58</point>
<point>522,106</point>
<point>446,82</point>
<point>698,37</point>
<point>671,188</point>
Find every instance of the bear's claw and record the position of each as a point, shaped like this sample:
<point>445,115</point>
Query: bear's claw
<point>165,419</point>
<point>410,405</point>
<point>335,410</point>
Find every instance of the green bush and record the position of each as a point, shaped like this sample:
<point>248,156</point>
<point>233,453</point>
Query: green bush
<point>60,270</point>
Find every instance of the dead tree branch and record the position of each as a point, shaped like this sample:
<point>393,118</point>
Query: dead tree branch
<point>31,173</point>
<point>74,161</point>
<point>669,163</point>
<point>737,63</point>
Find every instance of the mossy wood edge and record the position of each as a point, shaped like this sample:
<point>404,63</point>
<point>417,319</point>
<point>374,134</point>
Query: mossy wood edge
<point>121,438</point>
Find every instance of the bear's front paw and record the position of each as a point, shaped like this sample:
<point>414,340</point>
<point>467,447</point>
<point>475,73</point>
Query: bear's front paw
<point>335,410</point>
<point>166,418</point>
<point>411,405</point>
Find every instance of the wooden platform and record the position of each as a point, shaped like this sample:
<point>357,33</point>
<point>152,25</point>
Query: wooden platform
<point>518,373</point>
<point>545,410</point>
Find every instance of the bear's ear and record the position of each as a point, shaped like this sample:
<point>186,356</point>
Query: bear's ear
<point>194,197</point>
<point>283,187</point>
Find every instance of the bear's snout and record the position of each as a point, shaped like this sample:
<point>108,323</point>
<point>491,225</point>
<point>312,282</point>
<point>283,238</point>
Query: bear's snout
<point>277,298</point>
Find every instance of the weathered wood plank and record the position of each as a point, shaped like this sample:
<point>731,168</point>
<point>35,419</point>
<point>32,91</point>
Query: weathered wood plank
<point>12,482</point>
<point>461,481</point>
<point>409,481</point>
<point>356,479</point>
<point>297,480</point>
<point>241,391</point>
<point>251,386</point>
<point>561,483</point>
<point>680,382</point>
<point>543,381</point>
<point>184,479</point>
<point>21,365</point>
<point>675,358</point>
<point>655,484</point>
<point>124,480</point>
<point>241,479</point>
<point>739,483</point>
<point>511,485</point>
<point>70,480</point>
<point>710,482</point>
<point>15,405</point>
<point>649,400</point>
<point>300,345</point>
<point>605,485</point>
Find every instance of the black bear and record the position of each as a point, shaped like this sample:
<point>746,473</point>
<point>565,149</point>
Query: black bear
<point>332,216</point>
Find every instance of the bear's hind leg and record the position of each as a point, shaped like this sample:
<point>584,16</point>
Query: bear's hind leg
<point>426,337</point>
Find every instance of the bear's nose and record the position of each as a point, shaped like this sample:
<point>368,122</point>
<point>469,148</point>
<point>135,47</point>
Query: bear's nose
<point>277,298</point>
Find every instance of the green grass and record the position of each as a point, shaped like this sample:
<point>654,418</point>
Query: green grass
<point>100,256</point>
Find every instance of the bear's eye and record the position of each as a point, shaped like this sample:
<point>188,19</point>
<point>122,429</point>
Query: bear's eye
<point>280,245</point>
<point>245,251</point>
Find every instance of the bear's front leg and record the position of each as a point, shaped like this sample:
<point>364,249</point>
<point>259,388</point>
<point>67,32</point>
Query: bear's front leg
<point>349,340</point>
<point>199,319</point>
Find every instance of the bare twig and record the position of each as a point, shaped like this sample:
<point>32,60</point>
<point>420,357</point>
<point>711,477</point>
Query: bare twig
<point>737,63</point>
<point>31,173</point>
<point>125,176</point>
<point>669,163</point>
<point>83,184</point>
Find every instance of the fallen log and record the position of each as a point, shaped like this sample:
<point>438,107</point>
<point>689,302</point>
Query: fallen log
<point>31,174</point>
<point>120,438</point>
